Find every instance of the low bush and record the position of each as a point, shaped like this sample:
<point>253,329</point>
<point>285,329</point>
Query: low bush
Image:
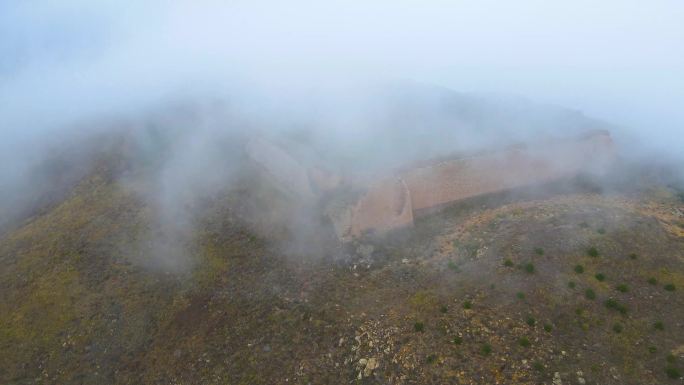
<point>529,268</point>
<point>590,294</point>
<point>486,349</point>
<point>524,342</point>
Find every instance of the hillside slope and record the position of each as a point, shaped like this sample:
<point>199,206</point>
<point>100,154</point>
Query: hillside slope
<point>488,291</point>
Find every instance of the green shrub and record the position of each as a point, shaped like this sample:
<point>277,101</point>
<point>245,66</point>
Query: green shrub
<point>539,251</point>
<point>592,252</point>
<point>548,327</point>
<point>486,349</point>
<point>572,284</point>
<point>508,262</point>
<point>590,294</point>
<point>467,305</point>
<point>601,231</point>
<point>419,327</point>
<point>658,325</point>
<point>520,295</point>
<point>529,267</point>
<point>613,304</point>
<point>617,328</point>
<point>431,359</point>
<point>443,309</point>
<point>579,269</point>
<point>531,321</point>
<point>670,287</point>
<point>458,340</point>
<point>652,349</point>
<point>632,256</point>
<point>672,372</point>
<point>653,281</point>
<point>671,358</point>
<point>584,225</point>
<point>524,342</point>
<point>453,267</point>
<point>538,366</point>
<point>600,277</point>
<point>622,288</point>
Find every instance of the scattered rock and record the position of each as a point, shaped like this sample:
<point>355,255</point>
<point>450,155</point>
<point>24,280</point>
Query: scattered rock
<point>370,366</point>
<point>557,379</point>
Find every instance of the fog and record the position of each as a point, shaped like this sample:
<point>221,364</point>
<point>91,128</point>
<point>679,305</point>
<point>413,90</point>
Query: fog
<point>72,68</point>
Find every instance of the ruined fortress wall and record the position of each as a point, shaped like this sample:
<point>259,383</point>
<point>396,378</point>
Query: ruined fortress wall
<point>386,205</point>
<point>457,179</point>
<point>464,178</point>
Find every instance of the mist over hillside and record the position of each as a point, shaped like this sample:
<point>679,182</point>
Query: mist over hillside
<point>391,192</point>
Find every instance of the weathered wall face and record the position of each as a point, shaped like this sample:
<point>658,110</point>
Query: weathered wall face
<point>386,206</point>
<point>458,179</point>
<point>464,178</point>
<point>391,202</point>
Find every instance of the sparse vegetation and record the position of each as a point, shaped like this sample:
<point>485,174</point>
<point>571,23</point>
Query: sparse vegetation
<point>538,366</point>
<point>652,281</point>
<point>431,359</point>
<point>529,267</point>
<point>520,295</point>
<point>592,252</point>
<point>669,287</point>
<point>457,340</point>
<point>539,251</point>
<point>443,309</point>
<point>548,327</point>
<point>632,256</point>
<point>622,288</point>
<point>613,304</point>
<point>453,267</point>
<point>589,294</point>
<point>579,269</point>
<point>531,321</point>
<point>652,349</point>
<point>572,284</point>
<point>418,327</point>
<point>600,277</point>
<point>617,328</point>
<point>584,225</point>
<point>672,372</point>
<point>658,325</point>
<point>486,349</point>
<point>508,262</point>
<point>467,305</point>
<point>601,231</point>
<point>524,342</point>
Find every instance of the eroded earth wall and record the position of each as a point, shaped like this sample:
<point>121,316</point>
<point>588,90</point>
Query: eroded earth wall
<point>452,180</point>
